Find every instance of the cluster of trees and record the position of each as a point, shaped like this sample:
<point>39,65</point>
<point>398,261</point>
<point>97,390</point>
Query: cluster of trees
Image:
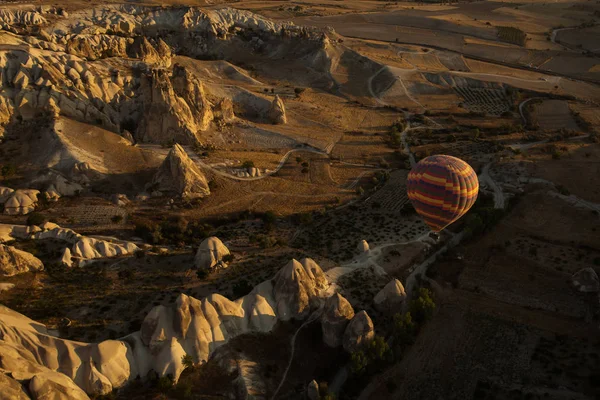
<point>396,134</point>
<point>174,230</point>
<point>483,219</point>
<point>379,352</point>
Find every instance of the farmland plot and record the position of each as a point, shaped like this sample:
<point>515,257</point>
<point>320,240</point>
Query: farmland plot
<point>392,197</point>
<point>554,114</point>
<point>491,101</point>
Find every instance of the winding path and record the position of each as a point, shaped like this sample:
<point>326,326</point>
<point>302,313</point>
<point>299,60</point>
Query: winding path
<point>316,314</point>
<point>487,179</point>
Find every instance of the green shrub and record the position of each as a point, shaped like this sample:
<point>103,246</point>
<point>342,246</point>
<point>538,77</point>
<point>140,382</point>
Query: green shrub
<point>187,361</point>
<point>164,384</point>
<point>423,307</point>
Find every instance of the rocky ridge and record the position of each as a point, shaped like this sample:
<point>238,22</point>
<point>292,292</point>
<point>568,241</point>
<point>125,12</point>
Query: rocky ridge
<point>190,326</point>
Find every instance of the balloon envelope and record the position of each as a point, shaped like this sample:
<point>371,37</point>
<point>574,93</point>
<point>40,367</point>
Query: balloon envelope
<point>442,189</point>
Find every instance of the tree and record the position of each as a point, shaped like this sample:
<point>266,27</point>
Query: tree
<point>187,361</point>
<point>359,362</point>
<point>423,307</point>
<point>248,164</point>
<point>269,217</point>
<point>404,328</point>
<point>377,349</point>
<point>164,383</point>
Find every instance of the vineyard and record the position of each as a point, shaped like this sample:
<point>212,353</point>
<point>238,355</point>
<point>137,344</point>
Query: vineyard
<point>392,197</point>
<point>512,35</point>
<point>493,101</point>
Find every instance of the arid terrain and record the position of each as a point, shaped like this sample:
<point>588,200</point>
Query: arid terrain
<point>208,200</point>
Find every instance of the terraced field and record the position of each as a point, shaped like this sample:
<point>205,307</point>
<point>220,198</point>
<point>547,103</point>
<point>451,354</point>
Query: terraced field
<point>484,100</point>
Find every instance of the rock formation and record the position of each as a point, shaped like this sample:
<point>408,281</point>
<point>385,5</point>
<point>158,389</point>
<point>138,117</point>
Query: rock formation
<point>224,110</point>
<point>5,194</point>
<point>88,248</point>
<point>296,286</point>
<point>312,390</point>
<point>21,202</point>
<point>210,254</point>
<point>358,332</point>
<point>178,174</point>
<point>174,108</point>
<point>586,280</point>
<point>336,315</point>
<point>66,259</point>
<point>390,296</point>
<point>53,181</point>
<point>11,389</point>
<point>142,49</point>
<point>14,261</point>
<point>4,287</point>
<point>363,246</point>
<point>190,326</point>
<point>277,113</point>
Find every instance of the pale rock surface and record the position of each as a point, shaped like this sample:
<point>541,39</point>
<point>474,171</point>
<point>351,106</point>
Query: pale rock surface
<point>10,389</point>
<point>89,248</point>
<point>363,246</point>
<point>179,174</point>
<point>5,194</point>
<point>51,385</point>
<point>66,234</point>
<point>5,287</point>
<point>21,202</point>
<point>277,114</point>
<point>66,257</point>
<point>224,110</point>
<point>120,199</point>
<point>296,286</point>
<point>586,280</point>
<point>56,182</point>
<point>337,314</point>
<point>210,253</point>
<point>175,108</point>
<point>21,17</point>
<point>312,390</point>
<point>358,332</point>
<point>391,295</point>
<point>64,368</point>
<point>14,261</point>
<point>128,136</point>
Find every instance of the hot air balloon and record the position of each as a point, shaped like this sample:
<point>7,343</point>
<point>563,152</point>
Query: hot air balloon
<point>442,189</point>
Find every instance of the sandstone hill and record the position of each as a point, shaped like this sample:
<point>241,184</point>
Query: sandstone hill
<point>210,253</point>
<point>179,175</point>
<point>14,261</point>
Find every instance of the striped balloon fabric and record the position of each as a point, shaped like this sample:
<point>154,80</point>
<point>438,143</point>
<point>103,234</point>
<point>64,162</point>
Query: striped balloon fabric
<point>442,189</point>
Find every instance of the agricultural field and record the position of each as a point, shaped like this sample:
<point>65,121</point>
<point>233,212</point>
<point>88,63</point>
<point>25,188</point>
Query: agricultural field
<point>553,115</point>
<point>512,35</point>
